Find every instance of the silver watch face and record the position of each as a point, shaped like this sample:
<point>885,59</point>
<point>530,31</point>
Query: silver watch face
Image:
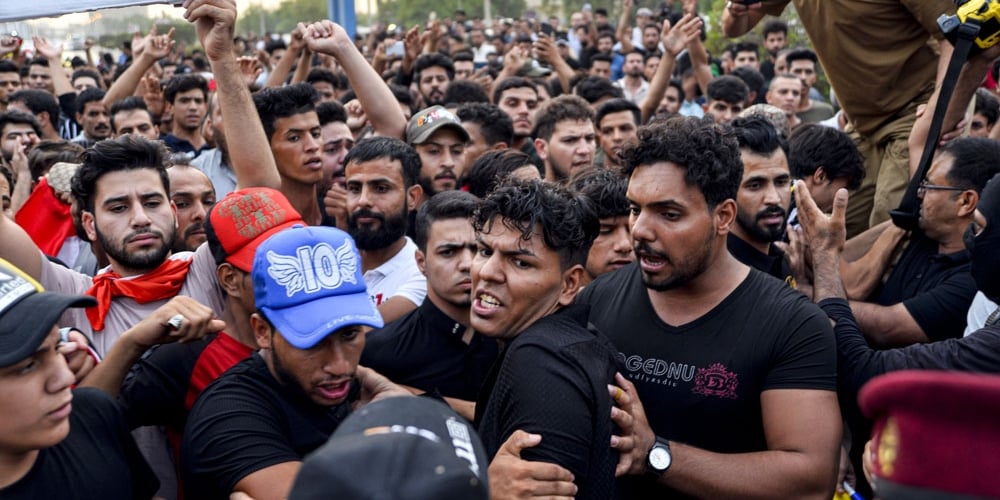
<point>659,458</point>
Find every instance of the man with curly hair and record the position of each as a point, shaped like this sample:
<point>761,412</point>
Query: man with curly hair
<point>551,378</point>
<point>737,371</point>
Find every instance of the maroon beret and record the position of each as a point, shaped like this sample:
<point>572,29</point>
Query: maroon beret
<point>936,431</point>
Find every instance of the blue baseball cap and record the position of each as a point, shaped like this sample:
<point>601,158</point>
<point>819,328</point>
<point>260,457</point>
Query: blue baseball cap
<point>308,282</point>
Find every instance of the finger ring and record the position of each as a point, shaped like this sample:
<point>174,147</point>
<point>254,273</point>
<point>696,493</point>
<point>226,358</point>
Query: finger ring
<point>176,321</point>
<point>729,4</point>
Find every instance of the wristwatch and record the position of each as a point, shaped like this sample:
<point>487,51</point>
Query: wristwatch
<point>659,458</point>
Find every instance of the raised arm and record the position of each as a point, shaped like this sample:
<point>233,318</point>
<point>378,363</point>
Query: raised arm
<point>305,64</point>
<point>280,72</point>
<point>53,54</point>
<point>699,61</point>
<point>327,37</point>
<point>674,40</point>
<point>17,247</point>
<point>156,48</point>
<point>249,151</point>
<point>21,190</point>
<point>968,81</point>
<point>624,31</point>
<point>738,18</point>
<point>547,52</point>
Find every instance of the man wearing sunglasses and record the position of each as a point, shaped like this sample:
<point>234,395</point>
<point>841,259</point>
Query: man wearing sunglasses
<point>927,294</point>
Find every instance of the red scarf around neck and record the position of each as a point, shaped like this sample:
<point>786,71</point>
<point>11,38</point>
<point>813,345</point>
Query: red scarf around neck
<point>161,283</point>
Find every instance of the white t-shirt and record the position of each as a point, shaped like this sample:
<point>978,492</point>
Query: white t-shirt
<point>398,276</point>
<point>125,312</point>
<point>979,311</point>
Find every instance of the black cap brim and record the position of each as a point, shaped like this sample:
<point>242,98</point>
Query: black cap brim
<point>26,324</point>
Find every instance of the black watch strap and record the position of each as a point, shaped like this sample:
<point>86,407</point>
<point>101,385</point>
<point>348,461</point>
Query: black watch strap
<point>659,458</point>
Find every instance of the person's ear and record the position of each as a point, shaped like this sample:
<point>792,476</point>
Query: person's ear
<point>89,224</point>
<point>261,331</point>
<point>967,201</point>
<point>573,280</point>
<point>724,215</point>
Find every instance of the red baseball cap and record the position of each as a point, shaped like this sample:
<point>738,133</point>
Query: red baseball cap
<point>244,219</point>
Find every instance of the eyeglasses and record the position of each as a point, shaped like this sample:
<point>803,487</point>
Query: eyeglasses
<point>924,186</point>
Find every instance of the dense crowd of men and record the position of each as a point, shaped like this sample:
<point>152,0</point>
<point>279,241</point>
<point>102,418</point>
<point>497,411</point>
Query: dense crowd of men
<point>629,267</point>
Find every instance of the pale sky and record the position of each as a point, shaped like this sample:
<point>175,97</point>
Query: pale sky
<point>84,18</point>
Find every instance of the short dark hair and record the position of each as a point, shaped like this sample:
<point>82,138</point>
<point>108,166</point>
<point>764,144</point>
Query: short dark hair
<point>38,101</point>
<point>130,103</point>
<point>746,47</point>
<point>86,97</point>
<point>463,55</point>
<point>452,204</point>
<point>757,134</point>
<point>812,146</point>
<point>562,108</point>
<point>650,55</point>
<point>433,59</point>
<point>281,102</point>
<point>7,66</point>
<point>11,116</point>
<point>495,125</point>
<point>322,75</point>
<point>988,105</point>
<point>605,189</point>
<point>599,57</point>
<point>514,82</point>
<point>727,88</point>
<point>492,168</point>
<point>128,152</point>
<point>47,153</point>
<point>374,148</point>
<point>184,82</point>
<point>709,153</point>
<point>566,220</point>
<point>775,26</point>
<point>330,112</point>
<point>753,78</point>
<point>465,91</point>
<point>272,45</point>
<point>616,106</point>
<point>595,88</point>
<point>38,61</point>
<point>86,73</point>
<point>975,161</point>
<point>800,55</point>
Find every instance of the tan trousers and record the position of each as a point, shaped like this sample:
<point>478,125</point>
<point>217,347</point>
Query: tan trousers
<point>887,171</point>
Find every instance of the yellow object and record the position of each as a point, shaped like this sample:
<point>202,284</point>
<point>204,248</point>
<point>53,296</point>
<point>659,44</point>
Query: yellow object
<point>841,495</point>
<point>987,14</point>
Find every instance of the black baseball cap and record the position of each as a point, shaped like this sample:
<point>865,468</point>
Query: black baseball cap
<point>28,313</point>
<point>399,448</point>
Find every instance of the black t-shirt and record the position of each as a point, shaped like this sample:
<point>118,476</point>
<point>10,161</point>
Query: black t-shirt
<point>700,383</point>
<point>424,349</point>
<point>159,388</point>
<point>936,289</point>
<point>772,263</point>
<point>552,380</point>
<point>246,421</point>
<point>98,459</point>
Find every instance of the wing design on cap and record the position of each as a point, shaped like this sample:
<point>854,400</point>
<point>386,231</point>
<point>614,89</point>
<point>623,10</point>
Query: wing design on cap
<point>347,262</point>
<point>287,271</point>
